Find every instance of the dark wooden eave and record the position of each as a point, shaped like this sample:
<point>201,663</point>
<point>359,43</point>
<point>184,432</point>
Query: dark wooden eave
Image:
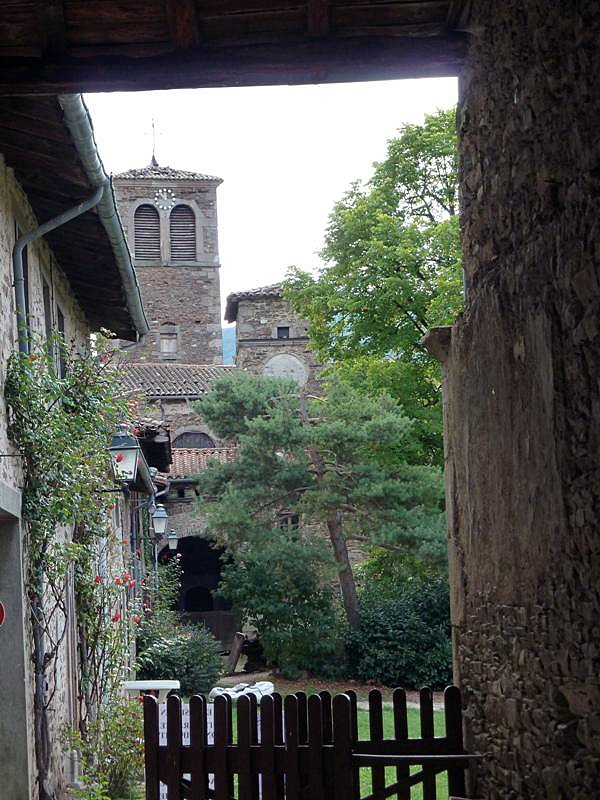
<point>36,143</point>
<point>62,46</point>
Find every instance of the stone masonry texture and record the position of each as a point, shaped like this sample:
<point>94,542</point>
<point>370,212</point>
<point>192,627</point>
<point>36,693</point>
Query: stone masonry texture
<point>522,402</point>
<point>256,336</point>
<point>16,680</point>
<point>185,295</point>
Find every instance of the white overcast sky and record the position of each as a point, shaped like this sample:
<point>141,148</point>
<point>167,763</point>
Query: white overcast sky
<point>285,153</point>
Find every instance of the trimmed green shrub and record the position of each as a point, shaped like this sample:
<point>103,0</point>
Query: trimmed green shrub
<point>404,634</point>
<point>281,587</point>
<point>192,657</point>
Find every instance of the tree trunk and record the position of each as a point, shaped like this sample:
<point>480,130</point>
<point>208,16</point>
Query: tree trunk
<point>336,536</point>
<point>41,738</point>
<point>345,574</point>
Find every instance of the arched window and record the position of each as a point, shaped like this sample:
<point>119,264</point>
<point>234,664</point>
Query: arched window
<point>183,234</point>
<point>146,224</point>
<point>193,439</point>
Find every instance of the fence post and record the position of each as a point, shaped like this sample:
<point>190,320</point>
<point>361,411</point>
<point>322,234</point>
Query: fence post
<point>401,735</point>
<point>343,786</point>
<point>376,734</point>
<point>326,707</point>
<point>198,742</point>
<point>151,747</point>
<point>173,776</point>
<point>279,740</point>
<point>244,755</point>
<point>254,739</point>
<point>427,732</point>
<point>290,715</point>
<point>302,717</point>
<point>222,722</point>
<point>454,734</point>
<point>315,748</point>
<point>267,742</point>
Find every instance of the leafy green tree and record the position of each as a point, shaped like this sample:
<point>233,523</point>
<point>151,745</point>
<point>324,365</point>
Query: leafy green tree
<point>392,256</point>
<point>339,461</point>
<point>284,586</point>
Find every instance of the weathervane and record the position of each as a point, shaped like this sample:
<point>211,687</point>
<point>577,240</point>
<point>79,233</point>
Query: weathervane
<point>153,161</point>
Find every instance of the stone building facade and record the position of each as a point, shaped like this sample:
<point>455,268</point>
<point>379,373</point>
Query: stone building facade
<point>522,414</point>
<point>270,338</point>
<point>16,684</point>
<point>170,221</point>
<point>58,272</point>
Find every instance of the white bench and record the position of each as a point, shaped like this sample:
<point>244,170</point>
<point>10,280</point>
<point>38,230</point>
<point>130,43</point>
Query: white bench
<point>159,689</point>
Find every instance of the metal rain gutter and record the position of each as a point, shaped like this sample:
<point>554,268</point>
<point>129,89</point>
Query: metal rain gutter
<point>80,126</point>
<point>17,257</point>
<point>144,476</point>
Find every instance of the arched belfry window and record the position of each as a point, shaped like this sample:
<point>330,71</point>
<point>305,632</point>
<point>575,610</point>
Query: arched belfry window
<point>146,224</point>
<point>183,234</point>
<point>193,439</point>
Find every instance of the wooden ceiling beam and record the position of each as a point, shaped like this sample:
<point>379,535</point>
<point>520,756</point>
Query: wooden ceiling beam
<point>183,23</point>
<point>318,17</point>
<point>324,60</point>
<point>53,29</point>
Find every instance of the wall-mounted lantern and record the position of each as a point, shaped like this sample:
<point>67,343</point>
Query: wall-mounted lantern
<point>172,540</point>
<point>159,521</point>
<point>125,452</point>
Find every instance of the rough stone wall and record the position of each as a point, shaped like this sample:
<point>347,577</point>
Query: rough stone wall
<point>183,294</point>
<point>189,298</point>
<point>14,208</point>
<point>180,416</point>
<point>16,683</point>
<point>257,342</point>
<point>522,407</point>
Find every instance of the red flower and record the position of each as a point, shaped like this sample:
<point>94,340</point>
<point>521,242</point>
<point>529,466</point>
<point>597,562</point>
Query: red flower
<point>118,581</point>
<point>119,457</point>
<point>97,579</point>
<point>116,616</point>
<point>105,357</point>
<point>131,584</point>
<point>32,357</point>
<point>126,576</point>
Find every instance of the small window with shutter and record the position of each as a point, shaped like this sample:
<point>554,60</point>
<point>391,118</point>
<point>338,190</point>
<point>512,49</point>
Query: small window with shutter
<point>183,234</point>
<point>168,341</point>
<point>146,224</point>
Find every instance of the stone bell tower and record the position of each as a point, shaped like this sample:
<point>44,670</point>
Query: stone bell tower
<point>170,221</point>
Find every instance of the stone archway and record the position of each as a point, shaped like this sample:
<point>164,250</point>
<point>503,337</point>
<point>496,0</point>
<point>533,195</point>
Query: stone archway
<point>201,572</point>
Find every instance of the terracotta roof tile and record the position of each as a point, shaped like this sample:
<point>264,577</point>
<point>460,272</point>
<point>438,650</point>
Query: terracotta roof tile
<point>188,461</point>
<point>153,171</point>
<point>170,380</point>
<point>274,290</point>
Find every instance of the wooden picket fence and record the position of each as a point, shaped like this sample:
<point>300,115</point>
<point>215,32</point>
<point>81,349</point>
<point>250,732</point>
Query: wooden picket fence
<point>302,748</point>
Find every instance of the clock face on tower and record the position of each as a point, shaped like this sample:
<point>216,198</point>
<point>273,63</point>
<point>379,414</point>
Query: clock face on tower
<point>286,366</point>
<point>164,199</point>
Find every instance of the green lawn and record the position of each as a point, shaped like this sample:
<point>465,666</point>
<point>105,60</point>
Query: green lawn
<point>388,733</point>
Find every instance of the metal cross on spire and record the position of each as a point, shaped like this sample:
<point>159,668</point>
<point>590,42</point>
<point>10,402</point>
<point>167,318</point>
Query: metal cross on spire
<point>153,161</point>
